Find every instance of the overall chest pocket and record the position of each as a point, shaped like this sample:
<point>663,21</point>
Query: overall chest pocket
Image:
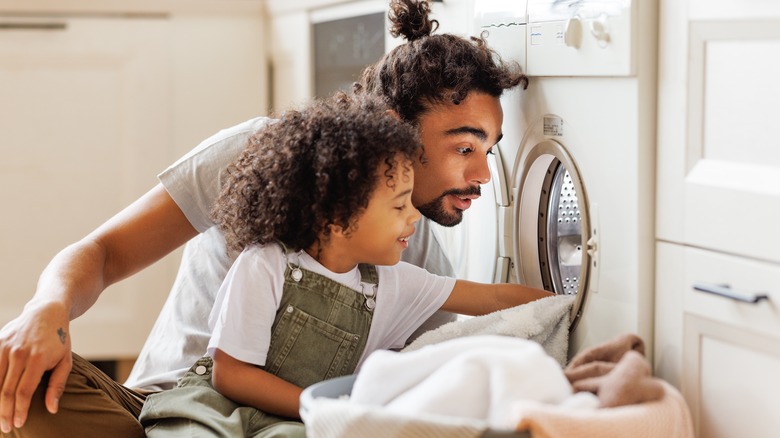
<point>305,349</point>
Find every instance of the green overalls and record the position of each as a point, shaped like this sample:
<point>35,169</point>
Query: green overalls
<point>319,332</point>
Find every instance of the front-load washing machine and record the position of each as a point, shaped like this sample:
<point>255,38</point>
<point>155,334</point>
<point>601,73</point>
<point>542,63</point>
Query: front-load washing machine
<point>574,174</point>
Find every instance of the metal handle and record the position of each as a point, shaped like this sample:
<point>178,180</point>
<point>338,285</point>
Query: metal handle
<point>33,26</point>
<point>725,291</point>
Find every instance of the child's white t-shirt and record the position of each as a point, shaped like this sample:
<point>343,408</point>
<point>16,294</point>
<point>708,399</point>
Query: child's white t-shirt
<point>249,298</point>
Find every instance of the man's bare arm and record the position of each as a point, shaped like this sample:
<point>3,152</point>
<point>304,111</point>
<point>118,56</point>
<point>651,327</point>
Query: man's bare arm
<point>39,339</point>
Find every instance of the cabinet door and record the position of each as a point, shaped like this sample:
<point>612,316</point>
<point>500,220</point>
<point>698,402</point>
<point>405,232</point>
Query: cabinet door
<point>719,164</point>
<point>85,123</point>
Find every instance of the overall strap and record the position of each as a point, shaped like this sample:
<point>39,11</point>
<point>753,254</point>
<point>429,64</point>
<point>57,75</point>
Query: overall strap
<point>293,270</point>
<point>368,274</point>
<point>368,285</point>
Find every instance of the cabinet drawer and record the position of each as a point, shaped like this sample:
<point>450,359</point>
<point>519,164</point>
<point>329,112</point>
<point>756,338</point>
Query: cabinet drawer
<point>744,278</point>
<point>731,348</point>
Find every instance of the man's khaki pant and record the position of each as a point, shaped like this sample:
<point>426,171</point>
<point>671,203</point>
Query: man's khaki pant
<point>93,405</point>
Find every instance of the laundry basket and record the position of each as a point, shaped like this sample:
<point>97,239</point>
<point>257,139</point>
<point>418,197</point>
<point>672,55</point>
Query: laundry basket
<point>342,386</point>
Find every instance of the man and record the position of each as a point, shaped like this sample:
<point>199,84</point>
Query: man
<point>446,86</point>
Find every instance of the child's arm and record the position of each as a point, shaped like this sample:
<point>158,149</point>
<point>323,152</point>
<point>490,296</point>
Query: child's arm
<point>471,298</point>
<point>249,385</point>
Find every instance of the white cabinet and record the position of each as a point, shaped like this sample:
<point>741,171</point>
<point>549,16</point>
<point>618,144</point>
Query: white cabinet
<point>718,191</point>
<point>93,104</point>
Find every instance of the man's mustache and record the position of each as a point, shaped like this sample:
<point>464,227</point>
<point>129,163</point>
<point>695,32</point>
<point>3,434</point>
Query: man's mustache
<point>474,190</point>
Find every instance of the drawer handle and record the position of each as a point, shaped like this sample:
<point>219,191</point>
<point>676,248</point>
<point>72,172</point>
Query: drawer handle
<point>33,26</point>
<point>726,291</point>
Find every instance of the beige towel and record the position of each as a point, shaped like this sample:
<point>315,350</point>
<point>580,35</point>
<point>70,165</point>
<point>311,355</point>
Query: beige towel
<point>616,371</point>
<point>668,417</point>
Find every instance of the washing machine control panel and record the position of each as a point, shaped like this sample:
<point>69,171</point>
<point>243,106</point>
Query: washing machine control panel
<point>562,37</point>
<point>505,22</point>
<point>581,37</point>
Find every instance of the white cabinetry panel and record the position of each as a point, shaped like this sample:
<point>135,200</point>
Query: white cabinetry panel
<point>733,181</point>
<point>739,119</point>
<point>95,101</point>
<point>82,112</point>
<point>718,188</point>
<point>732,380</point>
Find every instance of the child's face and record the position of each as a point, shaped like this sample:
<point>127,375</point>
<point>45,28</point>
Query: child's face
<point>385,226</point>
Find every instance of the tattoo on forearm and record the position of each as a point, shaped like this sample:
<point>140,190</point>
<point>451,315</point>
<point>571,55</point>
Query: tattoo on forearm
<point>62,334</point>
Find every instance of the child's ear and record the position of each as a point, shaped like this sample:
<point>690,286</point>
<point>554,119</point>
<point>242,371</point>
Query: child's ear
<point>336,230</point>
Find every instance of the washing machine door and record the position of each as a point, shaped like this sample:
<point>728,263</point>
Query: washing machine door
<point>550,233</point>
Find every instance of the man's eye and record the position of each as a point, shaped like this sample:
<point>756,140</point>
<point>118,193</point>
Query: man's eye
<point>490,152</point>
<point>465,151</point>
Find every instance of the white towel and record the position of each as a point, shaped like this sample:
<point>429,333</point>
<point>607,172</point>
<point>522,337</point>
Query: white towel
<point>474,377</point>
<point>339,418</point>
<point>545,321</point>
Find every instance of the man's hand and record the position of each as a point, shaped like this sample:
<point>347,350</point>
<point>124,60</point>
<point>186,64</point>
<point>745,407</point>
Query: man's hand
<point>35,342</point>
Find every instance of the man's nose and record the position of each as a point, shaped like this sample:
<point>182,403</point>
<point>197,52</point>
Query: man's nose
<point>480,171</point>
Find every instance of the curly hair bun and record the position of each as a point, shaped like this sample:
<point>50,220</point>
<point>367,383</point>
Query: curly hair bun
<point>409,18</point>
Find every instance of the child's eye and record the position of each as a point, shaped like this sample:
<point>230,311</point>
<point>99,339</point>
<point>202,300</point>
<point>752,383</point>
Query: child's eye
<point>401,207</point>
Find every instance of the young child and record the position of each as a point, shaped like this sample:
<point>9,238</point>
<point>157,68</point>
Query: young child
<point>319,204</point>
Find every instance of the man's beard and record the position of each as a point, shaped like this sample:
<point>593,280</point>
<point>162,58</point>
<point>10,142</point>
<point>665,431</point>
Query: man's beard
<point>436,212</point>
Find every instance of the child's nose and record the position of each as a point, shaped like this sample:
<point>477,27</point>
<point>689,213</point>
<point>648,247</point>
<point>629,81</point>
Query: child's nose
<point>415,216</point>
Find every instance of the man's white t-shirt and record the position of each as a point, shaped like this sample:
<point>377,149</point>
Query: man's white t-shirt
<point>249,298</point>
<point>181,333</point>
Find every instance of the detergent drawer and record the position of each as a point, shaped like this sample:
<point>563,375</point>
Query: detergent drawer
<point>731,344</point>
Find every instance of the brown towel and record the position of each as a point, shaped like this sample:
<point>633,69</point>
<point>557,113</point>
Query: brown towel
<point>616,371</point>
<point>610,351</point>
<point>668,417</point>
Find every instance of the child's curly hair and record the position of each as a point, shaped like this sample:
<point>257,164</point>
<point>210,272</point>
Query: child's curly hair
<point>312,168</point>
<point>434,68</point>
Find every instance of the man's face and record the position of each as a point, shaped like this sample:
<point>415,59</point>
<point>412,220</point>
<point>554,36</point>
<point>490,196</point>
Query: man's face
<point>457,139</point>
